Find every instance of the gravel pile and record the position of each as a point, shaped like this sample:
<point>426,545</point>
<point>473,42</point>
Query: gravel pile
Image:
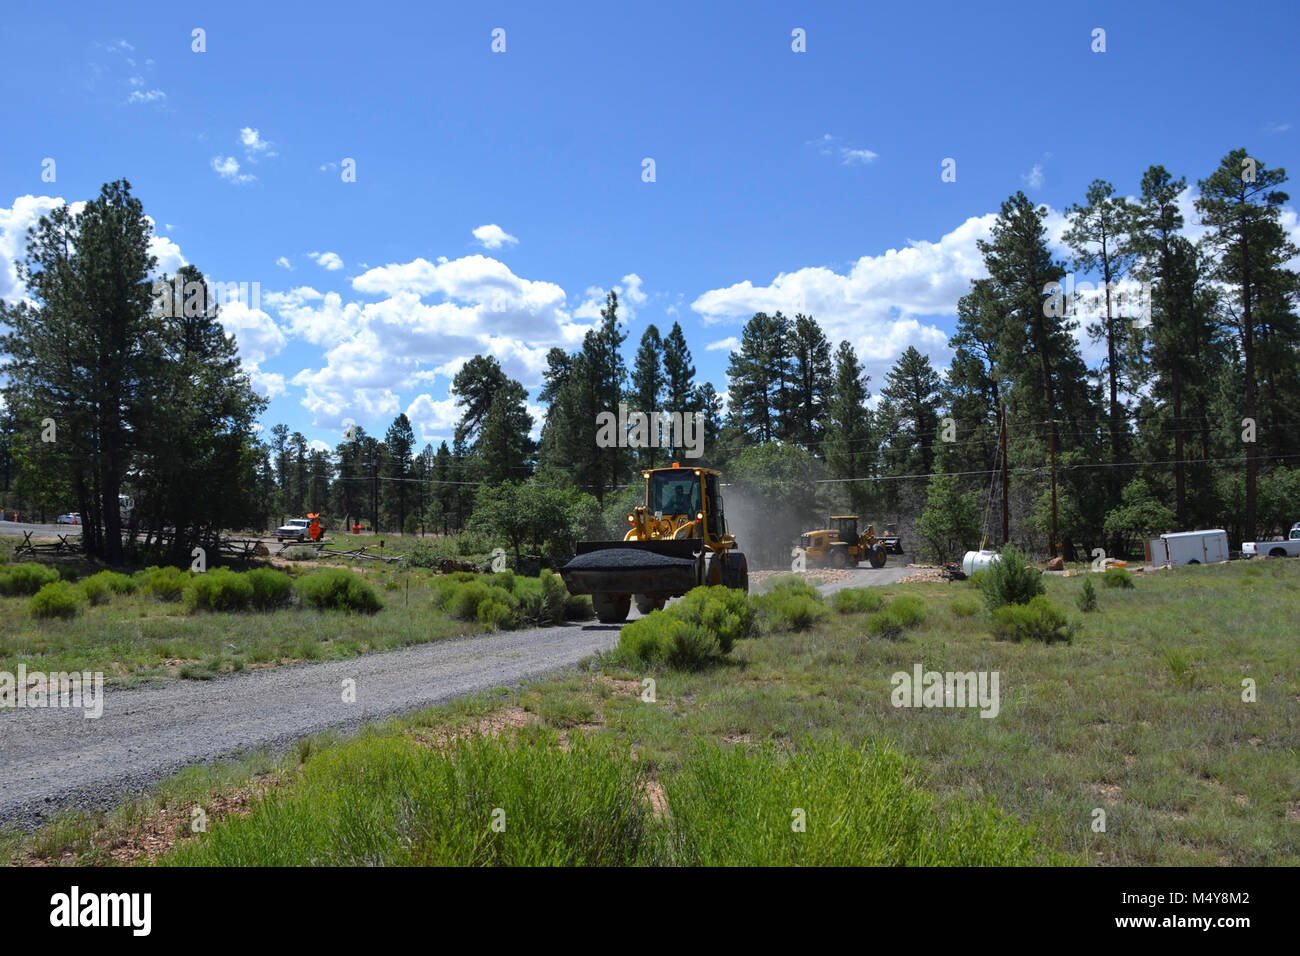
<point>625,559</point>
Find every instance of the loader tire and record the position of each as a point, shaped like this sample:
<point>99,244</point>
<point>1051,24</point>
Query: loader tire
<point>611,608</point>
<point>735,573</point>
<point>645,605</point>
<point>877,556</point>
<point>839,557</point>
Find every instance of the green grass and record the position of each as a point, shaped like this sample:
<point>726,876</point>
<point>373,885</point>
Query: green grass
<point>1141,715</point>
<point>135,631</point>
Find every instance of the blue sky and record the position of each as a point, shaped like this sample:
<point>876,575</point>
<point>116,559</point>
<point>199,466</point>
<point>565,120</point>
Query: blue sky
<point>783,179</point>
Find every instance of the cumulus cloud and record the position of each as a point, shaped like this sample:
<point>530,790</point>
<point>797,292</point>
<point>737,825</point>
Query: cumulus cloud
<point>254,144</point>
<point>326,260</point>
<point>227,167</point>
<point>1034,178</point>
<point>878,305</point>
<point>630,295</point>
<point>493,236</point>
<point>729,344</point>
<point>284,263</point>
<point>427,320</point>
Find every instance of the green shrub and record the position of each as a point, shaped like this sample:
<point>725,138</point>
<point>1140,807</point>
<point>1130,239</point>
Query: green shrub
<point>94,590</point>
<point>462,601</point>
<point>271,588</point>
<point>1010,580</point>
<point>1117,578</point>
<point>724,612</point>
<point>56,599</point>
<point>663,638</point>
<point>908,610</point>
<point>164,584</point>
<point>390,801</point>
<point>218,590</point>
<point>905,611</point>
<point>900,823</point>
<point>1087,597</point>
<point>548,604</point>
<point>857,601</point>
<point>976,579</point>
<point>116,582</point>
<point>338,589</point>
<point>964,608</point>
<point>793,584</point>
<point>503,579</point>
<point>1039,620</point>
<point>469,544</point>
<point>494,614</point>
<point>300,553</point>
<point>26,578</point>
<point>430,553</point>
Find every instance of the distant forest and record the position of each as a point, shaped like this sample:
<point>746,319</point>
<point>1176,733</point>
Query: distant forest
<point>1190,421</point>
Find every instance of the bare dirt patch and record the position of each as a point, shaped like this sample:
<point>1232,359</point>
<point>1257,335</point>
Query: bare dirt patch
<point>495,724</point>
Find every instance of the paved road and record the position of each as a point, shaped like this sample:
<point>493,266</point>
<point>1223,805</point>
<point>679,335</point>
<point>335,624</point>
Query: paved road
<point>52,758</point>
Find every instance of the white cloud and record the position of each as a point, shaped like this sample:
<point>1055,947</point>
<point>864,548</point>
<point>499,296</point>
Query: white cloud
<point>829,145</point>
<point>284,263</point>
<point>326,260</point>
<point>729,344</point>
<point>493,236</point>
<point>630,295</point>
<point>152,96</point>
<point>254,144</point>
<point>317,445</point>
<point>878,304</point>
<point>227,167</point>
<point>856,157</point>
<point>1034,178</point>
<point>433,420</point>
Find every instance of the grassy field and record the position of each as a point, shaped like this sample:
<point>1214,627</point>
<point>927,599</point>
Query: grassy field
<point>1141,716</point>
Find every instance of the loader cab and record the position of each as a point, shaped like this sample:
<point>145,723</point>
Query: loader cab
<point>714,517</point>
<point>673,492</point>
<point>845,528</point>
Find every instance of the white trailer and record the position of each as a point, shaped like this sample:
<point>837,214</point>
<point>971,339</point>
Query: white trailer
<point>1188,547</point>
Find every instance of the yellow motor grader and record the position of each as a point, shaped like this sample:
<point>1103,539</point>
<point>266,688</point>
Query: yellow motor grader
<point>840,546</point>
<point>676,540</point>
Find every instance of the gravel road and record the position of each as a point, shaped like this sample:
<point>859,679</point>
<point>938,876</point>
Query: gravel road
<point>52,758</point>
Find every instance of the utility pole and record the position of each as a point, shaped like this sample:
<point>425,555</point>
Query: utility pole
<point>1052,443</point>
<point>374,496</point>
<point>1002,427</point>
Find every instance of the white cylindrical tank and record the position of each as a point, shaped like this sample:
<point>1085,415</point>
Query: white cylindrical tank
<point>978,560</point>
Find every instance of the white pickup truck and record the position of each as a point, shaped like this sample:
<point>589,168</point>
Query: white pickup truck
<point>1290,548</point>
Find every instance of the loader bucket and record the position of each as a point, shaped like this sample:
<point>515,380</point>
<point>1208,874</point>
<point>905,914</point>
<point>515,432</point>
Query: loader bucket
<point>634,567</point>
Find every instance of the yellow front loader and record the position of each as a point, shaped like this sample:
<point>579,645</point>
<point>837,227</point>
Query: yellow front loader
<point>840,546</point>
<point>676,540</point>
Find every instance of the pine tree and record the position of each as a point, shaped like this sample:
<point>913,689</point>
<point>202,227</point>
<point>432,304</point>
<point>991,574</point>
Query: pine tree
<point>648,384</point>
<point>849,445</point>
<point>1240,202</point>
<point>811,377</point>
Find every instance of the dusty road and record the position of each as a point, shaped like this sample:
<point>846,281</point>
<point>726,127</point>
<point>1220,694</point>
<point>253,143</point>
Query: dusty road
<point>53,758</point>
